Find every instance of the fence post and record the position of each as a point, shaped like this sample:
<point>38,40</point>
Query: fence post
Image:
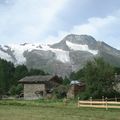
<point>65,101</point>
<point>115,99</point>
<point>103,100</point>
<point>106,103</point>
<point>91,101</point>
<point>78,102</point>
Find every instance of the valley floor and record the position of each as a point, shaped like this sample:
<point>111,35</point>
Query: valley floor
<point>23,110</point>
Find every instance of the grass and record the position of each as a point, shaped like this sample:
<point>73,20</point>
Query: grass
<point>52,110</point>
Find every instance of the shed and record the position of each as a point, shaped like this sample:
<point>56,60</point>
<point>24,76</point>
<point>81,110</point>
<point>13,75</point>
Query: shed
<point>36,87</point>
<point>75,88</point>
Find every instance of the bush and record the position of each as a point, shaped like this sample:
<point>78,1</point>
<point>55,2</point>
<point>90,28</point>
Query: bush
<point>19,89</point>
<point>1,93</point>
<point>12,90</point>
<point>16,90</point>
<point>60,91</point>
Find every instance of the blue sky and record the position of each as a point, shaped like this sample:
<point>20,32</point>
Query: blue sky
<point>48,21</point>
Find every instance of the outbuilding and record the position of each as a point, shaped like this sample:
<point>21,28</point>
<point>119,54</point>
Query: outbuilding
<point>36,87</point>
<point>75,88</point>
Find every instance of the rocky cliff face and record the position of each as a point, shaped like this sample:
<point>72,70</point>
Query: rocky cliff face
<point>70,54</point>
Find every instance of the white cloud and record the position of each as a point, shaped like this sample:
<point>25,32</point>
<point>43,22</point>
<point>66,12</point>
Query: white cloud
<point>103,29</point>
<point>28,19</point>
<point>95,26</point>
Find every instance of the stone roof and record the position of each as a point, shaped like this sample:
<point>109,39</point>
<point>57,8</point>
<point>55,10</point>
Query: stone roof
<point>36,79</point>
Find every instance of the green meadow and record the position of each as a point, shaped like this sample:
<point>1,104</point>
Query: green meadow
<point>52,110</point>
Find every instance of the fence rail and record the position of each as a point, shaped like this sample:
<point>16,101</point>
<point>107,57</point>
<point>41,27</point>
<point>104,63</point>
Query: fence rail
<point>99,104</point>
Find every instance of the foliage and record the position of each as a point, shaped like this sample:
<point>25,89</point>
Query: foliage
<point>60,91</point>
<point>12,90</point>
<point>16,90</point>
<point>36,72</point>
<point>10,75</point>
<point>99,79</point>
<point>77,75</point>
<point>98,76</point>
<point>1,93</point>
<point>19,89</point>
<point>117,70</point>
<point>66,81</point>
<point>6,75</point>
<point>20,72</point>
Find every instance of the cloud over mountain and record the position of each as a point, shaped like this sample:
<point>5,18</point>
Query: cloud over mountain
<point>27,19</point>
<point>40,21</point>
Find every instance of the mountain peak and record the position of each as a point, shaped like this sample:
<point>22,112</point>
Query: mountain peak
<point>77,39</point>
<point>70,54</point>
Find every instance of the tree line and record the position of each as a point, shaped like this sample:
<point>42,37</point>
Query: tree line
<point>99,78</point>
<point>10,75</point>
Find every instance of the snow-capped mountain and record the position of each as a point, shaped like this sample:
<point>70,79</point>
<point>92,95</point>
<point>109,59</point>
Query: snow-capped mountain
<point>61,58</point>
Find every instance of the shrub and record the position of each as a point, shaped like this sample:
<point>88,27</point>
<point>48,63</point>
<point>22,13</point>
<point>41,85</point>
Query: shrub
<point>12,90</point>
<point>60,91</point>
<point>19,89</point>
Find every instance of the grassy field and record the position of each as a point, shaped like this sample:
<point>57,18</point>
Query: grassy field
<point>52,110</point>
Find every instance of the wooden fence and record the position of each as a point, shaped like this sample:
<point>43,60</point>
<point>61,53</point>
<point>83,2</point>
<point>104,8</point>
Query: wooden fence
<point>99,104</point>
